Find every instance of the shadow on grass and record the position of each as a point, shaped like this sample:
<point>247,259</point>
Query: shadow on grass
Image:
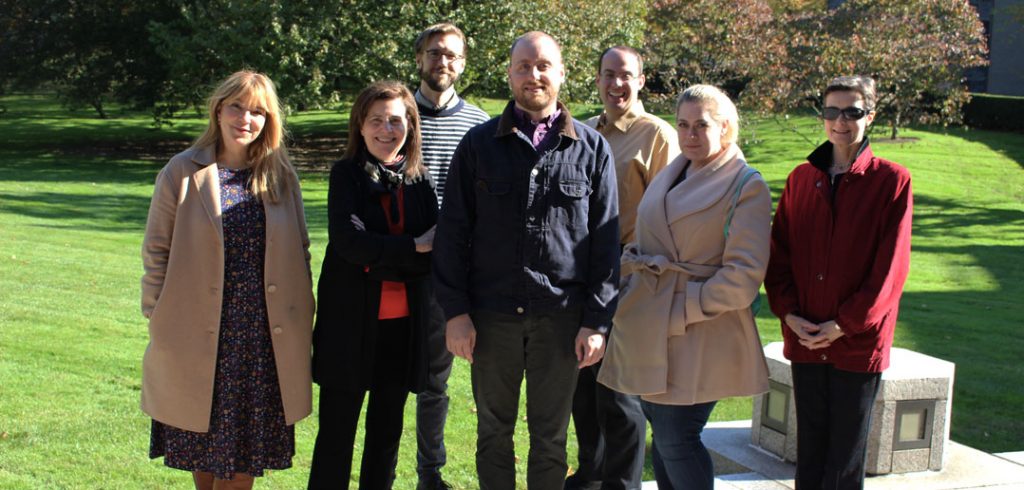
<point>100,164</point>
<point>979,330</point>
<point>1009,144</point>
<point>90,212</point>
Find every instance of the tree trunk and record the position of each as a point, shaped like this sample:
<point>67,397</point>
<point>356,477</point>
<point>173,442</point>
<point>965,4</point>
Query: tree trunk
<point>97,104</point>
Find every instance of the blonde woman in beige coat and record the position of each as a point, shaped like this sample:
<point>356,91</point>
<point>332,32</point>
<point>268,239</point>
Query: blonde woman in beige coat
<point>684,334</point>
<point>228,295</point>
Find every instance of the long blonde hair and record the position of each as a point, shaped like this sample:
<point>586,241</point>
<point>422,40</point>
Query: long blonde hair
<point>269,157</point>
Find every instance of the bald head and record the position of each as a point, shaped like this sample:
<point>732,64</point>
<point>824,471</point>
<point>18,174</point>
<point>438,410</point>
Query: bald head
<point>535,73</point>
<point>536,38</point>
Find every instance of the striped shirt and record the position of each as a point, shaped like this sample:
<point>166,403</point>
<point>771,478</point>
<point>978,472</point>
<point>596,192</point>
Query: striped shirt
<point>441,130</point>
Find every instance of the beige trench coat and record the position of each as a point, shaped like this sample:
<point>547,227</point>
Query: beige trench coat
<point>683,332</point>
<point>183,257</point>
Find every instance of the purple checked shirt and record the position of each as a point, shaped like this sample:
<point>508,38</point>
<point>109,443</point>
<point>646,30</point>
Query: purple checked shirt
<point>540,133</point>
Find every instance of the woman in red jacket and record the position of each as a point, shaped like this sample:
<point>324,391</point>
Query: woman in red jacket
<point>840,253</point>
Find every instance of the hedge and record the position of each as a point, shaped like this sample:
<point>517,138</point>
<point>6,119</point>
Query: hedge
<point>998,112</point>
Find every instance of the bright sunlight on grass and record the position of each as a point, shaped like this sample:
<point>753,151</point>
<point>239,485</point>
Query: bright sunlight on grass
<point>74,192</point>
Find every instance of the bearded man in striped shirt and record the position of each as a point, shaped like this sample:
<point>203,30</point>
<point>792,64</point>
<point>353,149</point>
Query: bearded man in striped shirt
<point>444,119</point>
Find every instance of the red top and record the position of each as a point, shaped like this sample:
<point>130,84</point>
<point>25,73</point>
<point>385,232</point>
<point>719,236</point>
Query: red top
<point>393,303</point>
<point>842,258</point>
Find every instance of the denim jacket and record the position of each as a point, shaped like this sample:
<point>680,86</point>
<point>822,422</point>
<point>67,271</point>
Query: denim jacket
<point>527,233</point>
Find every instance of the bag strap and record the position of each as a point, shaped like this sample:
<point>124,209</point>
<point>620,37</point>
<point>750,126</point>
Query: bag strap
<point>755,306</point>
<point>736,197</point>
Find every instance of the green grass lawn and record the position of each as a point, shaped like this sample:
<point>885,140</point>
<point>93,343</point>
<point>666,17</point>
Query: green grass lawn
<point>74,193</point>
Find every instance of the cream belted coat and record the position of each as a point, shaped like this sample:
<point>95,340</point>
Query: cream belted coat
<point>183,257</point>
<point>683,332</point>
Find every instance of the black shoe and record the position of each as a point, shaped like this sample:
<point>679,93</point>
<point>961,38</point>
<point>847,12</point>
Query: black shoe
<point>433,484</point>
<point>575,482</point>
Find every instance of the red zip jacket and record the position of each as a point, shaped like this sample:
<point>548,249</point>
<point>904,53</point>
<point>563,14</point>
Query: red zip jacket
<point>842,256</point>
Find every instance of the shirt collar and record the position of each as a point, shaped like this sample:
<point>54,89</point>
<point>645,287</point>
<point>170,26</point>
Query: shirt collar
<point>507,121</point>
<point>523,118</point>
<point>625,121</point>
<point>445,104</point>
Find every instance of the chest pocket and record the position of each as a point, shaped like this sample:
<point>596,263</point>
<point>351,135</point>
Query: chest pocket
<point>574,189</point>
<point>570,196</point>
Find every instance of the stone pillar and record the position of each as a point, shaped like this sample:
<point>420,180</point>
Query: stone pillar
<point>909,420</point>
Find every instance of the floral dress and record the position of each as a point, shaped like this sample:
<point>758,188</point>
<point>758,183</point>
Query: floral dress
<point>247,429</point>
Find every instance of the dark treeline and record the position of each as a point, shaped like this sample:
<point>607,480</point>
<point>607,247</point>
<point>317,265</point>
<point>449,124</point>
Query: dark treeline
<point>163,55</point>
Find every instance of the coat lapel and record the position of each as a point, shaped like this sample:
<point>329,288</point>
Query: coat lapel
<point>650,216</point>
<point>208,185</point>
<point>705,187</point>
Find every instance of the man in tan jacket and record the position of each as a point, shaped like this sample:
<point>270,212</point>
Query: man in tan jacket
<point>610,426</point>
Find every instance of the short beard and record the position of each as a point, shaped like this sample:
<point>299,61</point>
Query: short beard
<point>536,104</point>
<point>438,84</point>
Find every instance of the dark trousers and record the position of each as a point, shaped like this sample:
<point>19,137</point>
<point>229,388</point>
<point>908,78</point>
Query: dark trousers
<point>680,460</point>
<point>339,417</point>
<point>611,434</point>
<point>542,347</point>
<point>833,413</point>
<point>432,403</point>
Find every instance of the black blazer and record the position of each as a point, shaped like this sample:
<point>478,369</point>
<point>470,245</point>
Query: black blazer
<point>344,335</point>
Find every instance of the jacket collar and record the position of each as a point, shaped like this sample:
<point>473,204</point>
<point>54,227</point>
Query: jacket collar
<point>623,122</point>
<point>700,190</point>
<point>507,122</point>
<point>821,158</point>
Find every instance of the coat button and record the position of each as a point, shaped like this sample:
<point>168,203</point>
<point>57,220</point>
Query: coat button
<point>818,184</point>
<point>520,310</point>
<point>824,357</point>
<point>535,172</point>
<point>271,288</point>
<point>278,330</point>
<point>821,277</point>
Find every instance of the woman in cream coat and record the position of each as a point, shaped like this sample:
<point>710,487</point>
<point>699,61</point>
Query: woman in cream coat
<point>228,295</point>
<point>684,334</point>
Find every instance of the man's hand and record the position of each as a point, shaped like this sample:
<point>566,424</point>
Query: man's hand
<point>589,347</point>
<point>460,337</point>
<point>827,333</point>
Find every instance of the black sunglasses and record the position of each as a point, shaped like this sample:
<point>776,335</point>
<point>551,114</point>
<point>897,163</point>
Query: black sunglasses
<point>849,113</point>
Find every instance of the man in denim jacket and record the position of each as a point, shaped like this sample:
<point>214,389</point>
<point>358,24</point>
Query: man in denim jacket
<point>526,263</point>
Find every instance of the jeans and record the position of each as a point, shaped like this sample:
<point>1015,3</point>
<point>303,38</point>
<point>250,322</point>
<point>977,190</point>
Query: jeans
<point>833,416</point>
<point>681,462</point>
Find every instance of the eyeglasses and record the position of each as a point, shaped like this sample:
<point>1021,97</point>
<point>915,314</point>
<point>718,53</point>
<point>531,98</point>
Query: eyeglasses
<point>437,54</point>
<point>849,113</point>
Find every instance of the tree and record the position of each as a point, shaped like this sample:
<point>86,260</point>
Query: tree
<point>916,51</point>
<point>90,51</point>
<point>732,45</point>
<point>319,51</point>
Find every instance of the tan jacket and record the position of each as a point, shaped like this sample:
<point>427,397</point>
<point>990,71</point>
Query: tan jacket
<point>183,257</point>
<point>643,144</point>
<point>683,332</point>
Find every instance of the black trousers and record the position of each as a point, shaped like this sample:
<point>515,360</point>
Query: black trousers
<point>833,413</point>
<point>339,418</point>
<point>432,402</point>
<point>543,348</point>
<point>610,432</point>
